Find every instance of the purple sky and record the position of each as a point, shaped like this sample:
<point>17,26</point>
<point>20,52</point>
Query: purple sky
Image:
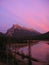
<point>29,13</point>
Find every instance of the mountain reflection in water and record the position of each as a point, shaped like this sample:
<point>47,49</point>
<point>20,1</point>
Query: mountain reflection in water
<point>38,51</point>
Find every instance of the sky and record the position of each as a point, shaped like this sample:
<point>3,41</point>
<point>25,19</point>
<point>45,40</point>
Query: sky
<point>28,13</point>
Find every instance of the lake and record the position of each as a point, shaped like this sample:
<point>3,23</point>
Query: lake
<point>39,51</point>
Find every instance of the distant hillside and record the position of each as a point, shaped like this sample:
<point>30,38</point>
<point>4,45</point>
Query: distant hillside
<point>44,36</point>
<point>18,31</point>
<point>1,33</point>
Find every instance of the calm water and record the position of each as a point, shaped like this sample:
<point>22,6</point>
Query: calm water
<point>39,51</point>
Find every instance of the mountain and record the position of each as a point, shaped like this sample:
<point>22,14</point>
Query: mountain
<point>18,31</point>
<point>44,36</point>
<point>1,34</point>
